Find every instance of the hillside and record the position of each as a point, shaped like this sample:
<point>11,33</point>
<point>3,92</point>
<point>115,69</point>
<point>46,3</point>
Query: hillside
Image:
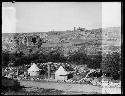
<point>88,40</point>
<point>111,36</point>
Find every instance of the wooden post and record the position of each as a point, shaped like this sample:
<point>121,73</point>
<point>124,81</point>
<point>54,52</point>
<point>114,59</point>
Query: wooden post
<point>17,71</point>
<point>49,70</point>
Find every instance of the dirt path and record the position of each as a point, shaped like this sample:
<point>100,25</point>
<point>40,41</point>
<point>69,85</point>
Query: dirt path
<point>80,88</point>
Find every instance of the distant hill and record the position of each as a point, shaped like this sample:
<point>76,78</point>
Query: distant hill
<point>88,40</point>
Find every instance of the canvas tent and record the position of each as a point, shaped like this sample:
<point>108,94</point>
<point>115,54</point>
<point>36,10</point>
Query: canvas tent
<point>33,70</point>
<point>61,74</point>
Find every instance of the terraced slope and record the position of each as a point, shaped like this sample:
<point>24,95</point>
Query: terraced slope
<point>89,39</point>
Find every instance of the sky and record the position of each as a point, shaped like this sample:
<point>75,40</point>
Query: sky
<point>111,14</point>
<point>47,16</point>
<point>8,19</point>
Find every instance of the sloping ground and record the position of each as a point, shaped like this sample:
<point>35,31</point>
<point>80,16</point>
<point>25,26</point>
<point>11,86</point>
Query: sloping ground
<point>34,91</point>
<point>75,38</point>
<point>72,88</point>
<point>63,86</point>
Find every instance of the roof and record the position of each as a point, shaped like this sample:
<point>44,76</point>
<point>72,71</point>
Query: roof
<point>33,67</point>
<point>61,71</point>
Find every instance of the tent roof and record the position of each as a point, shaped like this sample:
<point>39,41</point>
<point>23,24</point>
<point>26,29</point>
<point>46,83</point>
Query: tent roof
<point>33,68</point>
<point>61,71</point>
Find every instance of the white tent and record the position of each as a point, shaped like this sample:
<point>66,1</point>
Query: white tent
<point>61,74</point>
<point>33,70</point>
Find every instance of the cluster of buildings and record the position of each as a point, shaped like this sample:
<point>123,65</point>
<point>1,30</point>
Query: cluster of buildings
<point>60,74</point>
<point>34,71</point>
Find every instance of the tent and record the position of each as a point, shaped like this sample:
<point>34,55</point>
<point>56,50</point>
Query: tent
<point>61,74</point>
<point>34,70</point>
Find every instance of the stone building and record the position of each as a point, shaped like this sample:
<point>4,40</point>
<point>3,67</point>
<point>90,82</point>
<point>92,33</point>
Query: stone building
<point>61,74</point>
<point>34,70</point>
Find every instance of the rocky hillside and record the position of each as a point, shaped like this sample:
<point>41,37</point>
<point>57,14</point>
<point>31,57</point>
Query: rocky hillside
<point>89,41</point>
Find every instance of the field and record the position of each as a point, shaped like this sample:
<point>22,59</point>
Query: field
<point>35,91</point>
<point>55,88</point>
<point>65,87</point>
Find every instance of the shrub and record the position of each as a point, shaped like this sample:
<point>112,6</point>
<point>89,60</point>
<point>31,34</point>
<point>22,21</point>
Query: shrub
<point>5,58</point>
<point>94,61</point>
<point>55,56</point>
<point>82,58</point>
<point>10,84</point>
<point>78,58</point>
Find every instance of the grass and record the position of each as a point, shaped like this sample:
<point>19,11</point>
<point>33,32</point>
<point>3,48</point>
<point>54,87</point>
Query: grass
<point>12,87</point>
<point>37,91</point>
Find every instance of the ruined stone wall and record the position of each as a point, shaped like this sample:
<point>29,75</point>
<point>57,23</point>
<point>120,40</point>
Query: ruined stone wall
<point>18,41</point>
<point>8,42</point>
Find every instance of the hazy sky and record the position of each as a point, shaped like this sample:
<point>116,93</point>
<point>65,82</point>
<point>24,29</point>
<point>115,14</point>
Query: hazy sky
<point>46,16</point>
<point>111,14</point>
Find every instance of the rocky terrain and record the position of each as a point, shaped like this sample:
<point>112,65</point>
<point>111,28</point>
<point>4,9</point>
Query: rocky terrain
<point>89,41</point>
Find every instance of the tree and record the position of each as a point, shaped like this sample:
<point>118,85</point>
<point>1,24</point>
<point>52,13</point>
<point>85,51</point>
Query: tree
<point>19,61</point>
<point>30,51</point>
<point>111,64</point>
<point>78,58</point>
<point>5,58</point>
<point>12,57</point>
<point>19,54</point>
<point>95,61</point>
<point>40,42</point>
<point>42,58</point>
<point>54,56</point>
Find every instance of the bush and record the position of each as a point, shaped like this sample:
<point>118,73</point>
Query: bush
<point>94,61</point>
<point>78,58</point>
<point>116,76</point>
<point>81,59</point>
<point>55,57</point>
<point>10,84</point>
<point>5,58</point>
